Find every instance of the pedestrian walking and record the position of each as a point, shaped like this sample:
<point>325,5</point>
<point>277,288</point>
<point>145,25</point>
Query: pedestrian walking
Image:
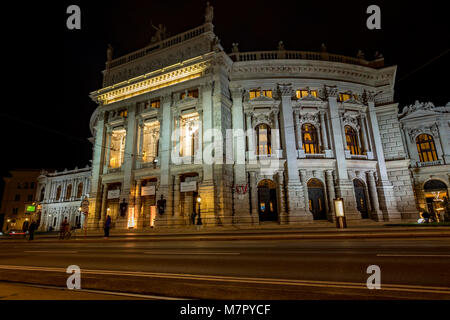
<point>63,228</point>
<point>31,230</point>
<point>107,226</point>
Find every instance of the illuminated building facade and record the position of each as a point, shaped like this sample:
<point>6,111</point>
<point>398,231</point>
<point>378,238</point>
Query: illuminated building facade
<point>287,132</point>
<point>426,134</point>
<point>18,205</point>
<point>60,195</point>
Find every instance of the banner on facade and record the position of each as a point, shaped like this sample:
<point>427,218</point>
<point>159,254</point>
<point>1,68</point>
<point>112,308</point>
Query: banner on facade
<point>148,191</point>
<point>188,186</point>
<point>114,194</point>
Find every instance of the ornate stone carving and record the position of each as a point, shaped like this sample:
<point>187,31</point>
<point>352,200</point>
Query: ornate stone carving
<point>209,13</point>
<point>417,106</point>
<point>285,89</point>
<point>331,91</point>
<point>350,120</point>
<point>312,118</point>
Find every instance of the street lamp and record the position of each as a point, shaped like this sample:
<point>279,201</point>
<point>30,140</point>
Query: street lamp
<point>341,221</point>
<point>199,220</point>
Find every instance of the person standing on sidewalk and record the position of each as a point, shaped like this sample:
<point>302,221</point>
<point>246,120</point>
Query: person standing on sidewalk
<point>31,230</point>
<point>107,226</point>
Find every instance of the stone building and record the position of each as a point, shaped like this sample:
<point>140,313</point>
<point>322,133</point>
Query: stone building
<point>426,134</point>
<point>18,202</point>
<point>259,136</point>
<point>60,196</point>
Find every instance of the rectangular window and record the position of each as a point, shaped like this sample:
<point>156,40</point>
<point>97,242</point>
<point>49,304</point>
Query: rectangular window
<point>15,211</point>
<point>123,113</point>
<point>30,198</point>
<point>17,197</point>
<point>344,97</point>
<point>156,104</point>
<point>303,93</point>
<point>256,93</point>
<point>191,93</point>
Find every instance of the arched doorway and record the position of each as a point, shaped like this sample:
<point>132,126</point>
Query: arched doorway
<point>267,201</point>
<point>361,200</point>
<point>435,192</point>
<point>316,196</point>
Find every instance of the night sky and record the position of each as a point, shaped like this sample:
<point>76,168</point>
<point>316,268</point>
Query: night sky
<point>45,116</point>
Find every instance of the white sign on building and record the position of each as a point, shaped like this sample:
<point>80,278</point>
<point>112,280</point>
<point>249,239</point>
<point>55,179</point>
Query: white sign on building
<point>148,191</point>
<point>188,186</point>
<point>114,194</point>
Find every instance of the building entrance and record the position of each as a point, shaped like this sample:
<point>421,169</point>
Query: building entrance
<point>316,196</point>
<point>267,201</point>
<point>361,200</point>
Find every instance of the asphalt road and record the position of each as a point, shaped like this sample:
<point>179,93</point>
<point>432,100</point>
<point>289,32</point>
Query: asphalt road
<point>243,269</point>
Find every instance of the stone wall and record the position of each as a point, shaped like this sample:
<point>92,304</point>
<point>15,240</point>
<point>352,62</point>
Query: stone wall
<point>391,134</point>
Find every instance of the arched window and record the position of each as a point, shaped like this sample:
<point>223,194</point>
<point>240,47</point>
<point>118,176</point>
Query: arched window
<point>310,139</point>
<point>352,140</point>
<point>58,193</point>
<point>426,148</point>
<point>263,140</point>
<point>80,190</point>
<point>68,192</point>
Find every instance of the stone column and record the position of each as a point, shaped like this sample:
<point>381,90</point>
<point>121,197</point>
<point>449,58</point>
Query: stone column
<point>344,187</point>
<point>102,217</point>
<point>165,150</point>
<point>322,130</point>
<point>376,214</point>
<point>294,190</point>
<point>254,198</point>
<point>364,146</point>
<point>250,137</point>
<point>298,128</point>
<point>387,200</point>
<point>139,213</point>
<point>282,209</point>
<point>108,149</point>
<point>305,189</point>
<point>331,194</point>
<point>275,135</point>
<point>141,142</point>
<point>176,201</point>
<point>241,206</point>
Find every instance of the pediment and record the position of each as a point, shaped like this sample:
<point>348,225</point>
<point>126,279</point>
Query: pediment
<point>420,114</point>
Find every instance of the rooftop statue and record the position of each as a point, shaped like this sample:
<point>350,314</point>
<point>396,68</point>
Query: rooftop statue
<point>323,48</point>
<point>109,53</point>
<point>235,48</point>
<point>160,34</point>
<point>280,45</point>
<point>209,13</point>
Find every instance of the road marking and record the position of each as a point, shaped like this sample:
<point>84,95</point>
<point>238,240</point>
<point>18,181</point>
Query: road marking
<point>191,253</point>
<point>115,293</point>
<point>51,251</point>
<point>412,255</point>
<point>286,282</point>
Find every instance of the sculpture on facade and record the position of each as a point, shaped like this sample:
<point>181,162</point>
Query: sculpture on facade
<point>160,34</point>
<point>209,13</point>
<point>109,53</point>
<point>323,48</point>
<point>281,46</point>
<point>360,55</point>
<point>235,48</point>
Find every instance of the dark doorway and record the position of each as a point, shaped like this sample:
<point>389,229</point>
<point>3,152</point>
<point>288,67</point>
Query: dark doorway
<point>267,201</point>
<point>2,221</point>
<point>361,200</point>
<point>316,197</point>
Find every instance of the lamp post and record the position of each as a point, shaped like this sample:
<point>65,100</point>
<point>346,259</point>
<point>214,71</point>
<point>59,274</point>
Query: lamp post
<point>341,221</point>
<point>199,220</point>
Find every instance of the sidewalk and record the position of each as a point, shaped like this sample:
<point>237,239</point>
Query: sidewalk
<point>317,230</point>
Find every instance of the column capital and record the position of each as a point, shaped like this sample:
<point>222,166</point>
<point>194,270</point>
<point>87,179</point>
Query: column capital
<point>166,98</point>
<point>285,89</point>
<point>237,92</point>
<point>331,92</point>
<point>368,96</point>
